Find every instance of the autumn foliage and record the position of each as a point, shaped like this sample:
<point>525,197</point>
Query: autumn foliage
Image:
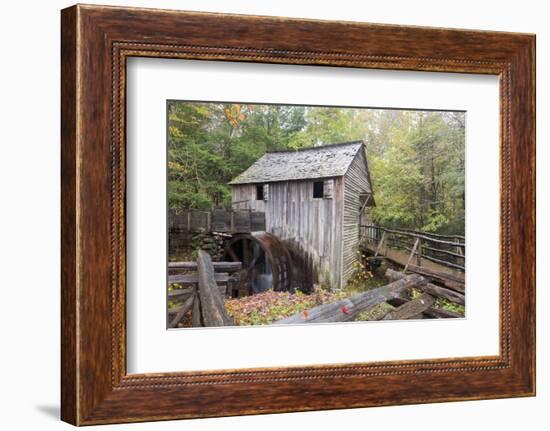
<point>268,307</point>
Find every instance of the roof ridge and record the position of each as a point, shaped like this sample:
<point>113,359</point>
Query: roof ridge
<point>324,161</point>
<point>316,147</point>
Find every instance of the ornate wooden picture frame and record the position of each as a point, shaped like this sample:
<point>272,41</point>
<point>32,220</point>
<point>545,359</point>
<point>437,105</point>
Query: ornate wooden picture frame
<point>96,41</point>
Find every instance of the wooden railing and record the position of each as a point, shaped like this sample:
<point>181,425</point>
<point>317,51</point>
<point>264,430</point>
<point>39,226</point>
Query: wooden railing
<point>201,294</point>
<point>401,304</point>
<point>446,250</point>
<point>201,290</point>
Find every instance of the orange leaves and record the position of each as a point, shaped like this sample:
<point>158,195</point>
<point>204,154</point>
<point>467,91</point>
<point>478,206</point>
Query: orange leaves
<point>234,115</point>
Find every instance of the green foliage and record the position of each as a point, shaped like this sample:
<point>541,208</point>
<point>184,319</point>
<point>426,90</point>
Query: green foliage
<point>417,166</point>
<point>449,306</point>
<point>363,276</point>
<point>416,158</point>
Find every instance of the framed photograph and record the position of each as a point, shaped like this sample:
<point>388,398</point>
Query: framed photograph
<point>267,215</point>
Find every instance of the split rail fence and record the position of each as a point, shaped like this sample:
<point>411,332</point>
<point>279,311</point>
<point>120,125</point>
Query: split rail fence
<point>204,294</point>
<point>407,247</point>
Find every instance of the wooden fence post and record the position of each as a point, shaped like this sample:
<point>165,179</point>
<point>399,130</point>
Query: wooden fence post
<point>413,251</point>
<point>208,221</point>
<point>212,304</point>
<point>419,253</point>
<point>382,240</point>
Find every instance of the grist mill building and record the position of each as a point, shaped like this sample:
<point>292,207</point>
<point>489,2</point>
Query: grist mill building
<point>315,200</point>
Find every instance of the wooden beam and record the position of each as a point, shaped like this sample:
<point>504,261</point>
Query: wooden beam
<point>179,293</point>
<point>191,279</point>
<point>424,236</point>
<point>433,312</point>
<point>457,282</point>
<point>196,318</point>
<point>440,313</point>
<point>382,240</point>
<point>411,309</point>
<point>413,251</point>
<point>218,266</point>
<point>432,289</point>
<point>181,312</point>
<point>445,263</point>
<point>448,294</point>
<point>347,309</point>
<point>213,310</point>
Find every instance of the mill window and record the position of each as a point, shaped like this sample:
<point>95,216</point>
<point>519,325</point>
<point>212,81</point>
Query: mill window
<point>318,189</point>
<point>259,192</point>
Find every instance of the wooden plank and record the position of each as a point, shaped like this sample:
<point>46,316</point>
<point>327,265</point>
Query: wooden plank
<point>181,294</point>
<point>218,266</point>
<point>423,236</point>
<point>447,252</point>
<point>213,310</point>
<point>379,247</point>
<point>241,220</point>
<point>432,312</point>
<point>181,312</point>
<point>440,313</point>
<point>186,279</point>
<point>444,262</point>
<point>199,220</point>
<point>400,258</point>
<point>178,293</point>
<point>347,309</point>
<point>432,289</point>
<point>413,251</point>
<point>440,275</point>
<point>448,294</point>
<point>457,238</point>
<point>313,225</point>
<point>411,309</point>
<point>257,221</point>
<point>221,221</point>
<point>196,318</point>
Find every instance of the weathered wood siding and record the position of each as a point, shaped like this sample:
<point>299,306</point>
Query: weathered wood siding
<point>243,197</point>
<point>356,182</point>
<point>312,226</point>
<point>325,230</point>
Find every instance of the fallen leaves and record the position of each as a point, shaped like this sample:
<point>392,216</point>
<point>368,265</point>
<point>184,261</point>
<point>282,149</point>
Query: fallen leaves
<point>268,307</point>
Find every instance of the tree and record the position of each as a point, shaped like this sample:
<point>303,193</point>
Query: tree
<point>416,158</point>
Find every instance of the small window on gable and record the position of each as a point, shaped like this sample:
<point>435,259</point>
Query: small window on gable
<point>318,189</point>
<point>259,192</point>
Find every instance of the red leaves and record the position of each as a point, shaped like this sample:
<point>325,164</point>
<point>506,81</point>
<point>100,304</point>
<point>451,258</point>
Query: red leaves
<point>268,307</point>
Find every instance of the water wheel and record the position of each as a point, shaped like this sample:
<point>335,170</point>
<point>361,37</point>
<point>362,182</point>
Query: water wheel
<point>266,262</point>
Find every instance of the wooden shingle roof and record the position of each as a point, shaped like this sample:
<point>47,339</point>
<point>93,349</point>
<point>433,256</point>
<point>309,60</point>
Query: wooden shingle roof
<point>306,163</point>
